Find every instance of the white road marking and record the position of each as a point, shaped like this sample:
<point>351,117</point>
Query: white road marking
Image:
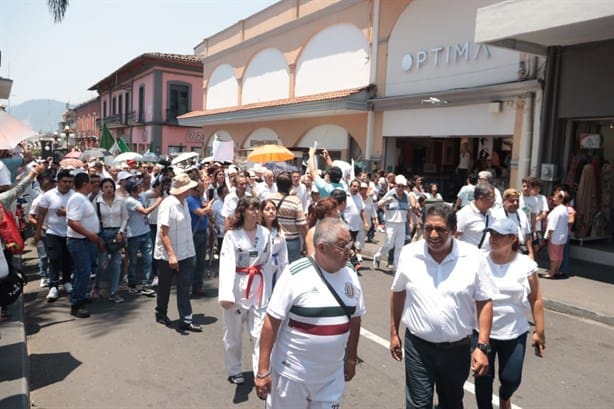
<point>468,386</point>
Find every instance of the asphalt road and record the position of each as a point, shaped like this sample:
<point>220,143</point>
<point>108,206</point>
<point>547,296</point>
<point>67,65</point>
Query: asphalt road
<point>120,358</point>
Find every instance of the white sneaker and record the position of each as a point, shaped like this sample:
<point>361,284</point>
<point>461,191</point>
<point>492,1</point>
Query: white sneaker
<point>53,294</point>
<point>44,282</point>
<point>68,287</point>
<point>359,258</point>
<point>375,262</point>
<point>154,282</point>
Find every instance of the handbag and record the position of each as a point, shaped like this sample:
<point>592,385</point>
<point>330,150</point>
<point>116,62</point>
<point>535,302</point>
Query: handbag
<point>111,244</point>
<point>11,283</point>
<point>9,232</point>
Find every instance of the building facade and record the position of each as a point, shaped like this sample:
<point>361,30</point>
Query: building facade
<point>577,128</point>
<point>392,84</point>
<point>86,133</point>
<point>140,102</point>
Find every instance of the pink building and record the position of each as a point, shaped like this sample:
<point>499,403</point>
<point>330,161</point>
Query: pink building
<point>141,100</point>
<point>87,129</point>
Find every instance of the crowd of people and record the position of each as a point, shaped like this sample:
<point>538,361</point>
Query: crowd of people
<point>289,250</point>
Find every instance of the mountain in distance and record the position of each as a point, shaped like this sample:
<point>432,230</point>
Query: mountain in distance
<point>42,115</point>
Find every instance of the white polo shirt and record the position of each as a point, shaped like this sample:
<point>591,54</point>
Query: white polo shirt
<point>176,216</point>
<point>53,200</point>
<point>472,223</point>
<point>558,222</point>
<point>80,209</point>
<point>440,298</point>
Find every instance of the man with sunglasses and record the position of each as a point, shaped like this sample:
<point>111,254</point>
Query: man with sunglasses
<point>441,285</point>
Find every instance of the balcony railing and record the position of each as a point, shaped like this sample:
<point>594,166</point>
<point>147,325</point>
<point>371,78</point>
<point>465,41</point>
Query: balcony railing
<point>116,121</point>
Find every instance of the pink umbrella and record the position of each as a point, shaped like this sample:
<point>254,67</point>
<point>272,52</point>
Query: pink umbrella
<point>73,155</point>
<point>71,162</point>
<point>12,131</point>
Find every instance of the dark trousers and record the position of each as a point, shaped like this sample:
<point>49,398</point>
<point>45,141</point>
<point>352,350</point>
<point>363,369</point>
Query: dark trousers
<point>511,357</point>
<point>184,282</point>
<point>60,261</point>
<point>153,232</point>
<point>429,364</point>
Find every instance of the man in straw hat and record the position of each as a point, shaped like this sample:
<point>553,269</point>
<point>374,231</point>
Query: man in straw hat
<point>174,250</point>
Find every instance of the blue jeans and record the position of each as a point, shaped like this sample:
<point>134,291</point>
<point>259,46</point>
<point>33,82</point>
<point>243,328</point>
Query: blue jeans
<point>83,253</point>
<point>184,281</point>
<point>109,262</point>
<point>59,260</point>
<point>511,356</point>
<point>428,364</point>
<point>143,243</point>
<point>201,243</point>
<point>294,249</point>
<point>43,265</point>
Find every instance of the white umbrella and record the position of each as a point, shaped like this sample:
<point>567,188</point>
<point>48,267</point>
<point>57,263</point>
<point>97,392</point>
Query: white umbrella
<point>184,157</point>
<point>150,157</point>
<point>123,157</point>
<point>94,153</point>
<point>13,131</point>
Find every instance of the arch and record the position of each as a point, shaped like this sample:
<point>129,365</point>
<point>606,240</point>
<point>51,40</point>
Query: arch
<point>262,136</point>
<point>266,78</point>
<point>334,59</point>
<point>222,88</point>
<point>329,136</point>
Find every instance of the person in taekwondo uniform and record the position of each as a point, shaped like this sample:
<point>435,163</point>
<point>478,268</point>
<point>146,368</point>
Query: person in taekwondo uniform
<point>309,340</point>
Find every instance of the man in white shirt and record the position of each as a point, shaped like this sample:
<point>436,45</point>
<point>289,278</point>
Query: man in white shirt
<point>510,210</point>
<point>439,322</point>
<point>267,187</point>
<point>52,214</point>
<point>232,198</point>
<point>309,341</point>
<point>354,216</point>
<point>174,250</point>
<point>83,241</point>
<point>475,218</point>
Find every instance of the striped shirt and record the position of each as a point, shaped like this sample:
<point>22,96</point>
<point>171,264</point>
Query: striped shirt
<point>311,342</point>
<point>290,215</point>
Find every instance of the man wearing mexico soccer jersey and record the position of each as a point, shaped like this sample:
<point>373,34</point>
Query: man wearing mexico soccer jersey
<point>309,340</point>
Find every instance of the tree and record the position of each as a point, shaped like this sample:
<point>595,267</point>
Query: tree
<point>58,9</point>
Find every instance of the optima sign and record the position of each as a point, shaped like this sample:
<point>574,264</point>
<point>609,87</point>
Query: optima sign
<point>448,54</point>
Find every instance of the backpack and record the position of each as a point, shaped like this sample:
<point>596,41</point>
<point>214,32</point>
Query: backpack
<point>9,233</point>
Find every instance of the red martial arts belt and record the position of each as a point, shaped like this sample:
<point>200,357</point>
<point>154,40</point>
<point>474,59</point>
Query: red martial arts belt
<point>251,272</point>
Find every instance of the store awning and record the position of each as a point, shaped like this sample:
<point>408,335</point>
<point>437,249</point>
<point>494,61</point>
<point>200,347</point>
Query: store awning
<point>534,25</point>
<point>344,102</point>
<point>456,97</point>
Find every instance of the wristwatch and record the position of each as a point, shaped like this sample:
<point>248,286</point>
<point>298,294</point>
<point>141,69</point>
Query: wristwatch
<point>486,348</point>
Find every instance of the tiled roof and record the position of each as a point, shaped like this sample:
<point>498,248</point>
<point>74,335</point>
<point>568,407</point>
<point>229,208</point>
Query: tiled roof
<point>267,104</point>
<point>137,62</point>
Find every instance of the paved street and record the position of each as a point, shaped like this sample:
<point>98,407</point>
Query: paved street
<point>120,358</point>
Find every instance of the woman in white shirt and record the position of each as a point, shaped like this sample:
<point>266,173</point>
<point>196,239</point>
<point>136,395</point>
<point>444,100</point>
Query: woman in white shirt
<point>516,278</point>
<point>557,232</point>
<point>113,219</point>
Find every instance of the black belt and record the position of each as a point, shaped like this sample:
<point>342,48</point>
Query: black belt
<point>109,228</point>
<point>440,345</point>
<point>77,238</point>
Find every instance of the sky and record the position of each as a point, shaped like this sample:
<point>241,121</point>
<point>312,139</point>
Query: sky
<point>60,61</point>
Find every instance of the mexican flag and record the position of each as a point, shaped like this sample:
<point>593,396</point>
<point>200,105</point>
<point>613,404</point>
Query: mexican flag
<point>119,147</point>
<point>106,139</point>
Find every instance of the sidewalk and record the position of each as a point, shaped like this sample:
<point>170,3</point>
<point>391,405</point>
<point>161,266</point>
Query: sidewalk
<point>585,292</point>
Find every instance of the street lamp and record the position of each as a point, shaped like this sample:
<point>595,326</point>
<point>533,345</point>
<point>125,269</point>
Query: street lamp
<point>67,135</point>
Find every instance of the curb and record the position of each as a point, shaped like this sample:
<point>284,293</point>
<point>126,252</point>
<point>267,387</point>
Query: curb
<point>14,388</point>
<point>563,308</point>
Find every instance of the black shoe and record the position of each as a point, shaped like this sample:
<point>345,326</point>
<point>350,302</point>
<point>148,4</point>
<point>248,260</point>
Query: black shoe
<point>185,326</point>
<point>79,312</point>
<point>164,320</point>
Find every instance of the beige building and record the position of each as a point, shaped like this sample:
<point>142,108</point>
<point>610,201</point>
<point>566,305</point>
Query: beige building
<point>397,83</point>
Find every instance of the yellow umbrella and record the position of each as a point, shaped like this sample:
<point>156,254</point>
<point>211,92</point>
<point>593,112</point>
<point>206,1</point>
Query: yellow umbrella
<point>270,153</point>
